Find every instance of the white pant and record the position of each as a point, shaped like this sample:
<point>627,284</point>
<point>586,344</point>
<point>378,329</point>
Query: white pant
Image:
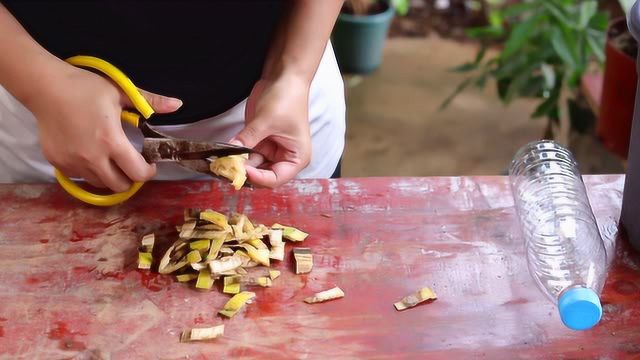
<point>21,158</point>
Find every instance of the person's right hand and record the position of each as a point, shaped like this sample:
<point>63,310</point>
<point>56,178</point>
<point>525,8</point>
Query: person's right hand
<point>81,132</point>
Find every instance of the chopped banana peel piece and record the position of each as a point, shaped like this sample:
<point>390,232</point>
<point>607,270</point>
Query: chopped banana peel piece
<point>412,300</point>
<point>326,295</point>
<point>201,334</point>
<point>215,218</point>
<point>225,264</point>
<point>260,256</point>
<point>194,257</point>
<point>291,233</point>
<point>277,245</point>
<point>232,168</point>
<point>145,257</point>
<point>169,263</point>
<point>274,274</point>
<point>264,281</point>
<point>144,260</point>
<point>248,225</point>
<point>148,241</point>
<point>199,266</point>
<point>214,249</point>
<point>231,284</point>
<point>204,280</point>
<point>257,243</point>
<point>226,250</point>
<point>186,231</point>
<point>303,259</point>
<point>200,245</point>
<point>186,277</point>
<point>236,303</point>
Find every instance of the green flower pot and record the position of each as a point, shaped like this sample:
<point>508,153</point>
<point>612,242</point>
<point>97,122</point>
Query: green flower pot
<point>358,40</point>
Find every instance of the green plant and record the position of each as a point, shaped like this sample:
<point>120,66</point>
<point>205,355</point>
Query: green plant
<point>361,7</point>
<point>548,46</point>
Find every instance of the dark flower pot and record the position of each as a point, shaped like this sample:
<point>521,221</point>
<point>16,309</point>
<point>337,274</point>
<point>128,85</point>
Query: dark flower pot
<point>618,93</point>
<point>358,40</point>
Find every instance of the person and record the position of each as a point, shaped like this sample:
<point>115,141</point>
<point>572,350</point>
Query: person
<point>261,74</point>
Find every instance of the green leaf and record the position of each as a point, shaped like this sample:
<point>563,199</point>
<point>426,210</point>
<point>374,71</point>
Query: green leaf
<point>519,36</point>
<point>481,81</point>
<point>599,21</point>
<point>480,54</point>
<point>519,9</point>
<point>562,48</point>
<point>401,6</point>
<point>460,88</point>
<point>549,75</point>
<point>485,32</point>
<point>546,108</point>
<point>466,67</point>
<point>517,87</point>
<point>596,44</point>
<point>587,11</point>
<point>495,18</point>
<point>558,14</point>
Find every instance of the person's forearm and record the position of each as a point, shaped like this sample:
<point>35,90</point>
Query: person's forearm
<point>301,38</point>
<point>25,66</point>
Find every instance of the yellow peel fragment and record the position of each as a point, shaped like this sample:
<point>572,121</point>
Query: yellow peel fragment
<point>232,168</point>
<point>236,303</point>
<point>199,245</point>
<point>231,284</point>
<point>326,295</point>
<point>186,277</point>
<point>412,300</point>
<point>291,233</point>
<point>200,334</point>
<point>144,260</point>
<point>204,280</point>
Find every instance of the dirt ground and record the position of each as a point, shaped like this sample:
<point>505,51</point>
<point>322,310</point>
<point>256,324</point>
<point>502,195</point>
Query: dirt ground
<point>394,127</point>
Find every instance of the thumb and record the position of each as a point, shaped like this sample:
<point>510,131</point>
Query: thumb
<point>160,104</point>
<point>250,136</point>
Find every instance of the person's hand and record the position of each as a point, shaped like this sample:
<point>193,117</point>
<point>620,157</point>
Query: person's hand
<point>277,126</point>
<point>81,133</point>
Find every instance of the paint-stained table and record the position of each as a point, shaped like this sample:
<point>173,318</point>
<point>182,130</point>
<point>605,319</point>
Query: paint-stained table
<point>69,286</point>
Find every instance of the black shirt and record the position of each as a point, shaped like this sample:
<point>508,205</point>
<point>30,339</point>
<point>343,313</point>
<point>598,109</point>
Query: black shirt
<point>207,53</point>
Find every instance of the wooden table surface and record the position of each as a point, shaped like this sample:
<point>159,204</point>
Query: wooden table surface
<point>69,286</point>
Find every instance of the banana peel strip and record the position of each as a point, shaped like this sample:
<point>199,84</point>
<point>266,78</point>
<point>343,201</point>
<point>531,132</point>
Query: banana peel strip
<point>236,303</point>
<point>202,334</point>
<point>326,295</point>
<point>303,259</point>
<point>290,233</point>
<point>418,297</point>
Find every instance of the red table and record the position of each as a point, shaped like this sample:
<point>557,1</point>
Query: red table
<point>69,284</point>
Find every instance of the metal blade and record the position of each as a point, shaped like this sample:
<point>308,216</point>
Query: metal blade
<point>155,150</point>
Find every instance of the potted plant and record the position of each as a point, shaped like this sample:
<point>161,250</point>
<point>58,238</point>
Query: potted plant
<point>360,33</point>
<point>619,86</point>
<point>548,46</point>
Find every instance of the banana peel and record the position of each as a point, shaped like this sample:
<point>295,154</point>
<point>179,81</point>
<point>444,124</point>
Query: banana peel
<point>416,298</point>
<point>202,334</point>
<point>232,168</point>
<point>236,303</point>
<point>326,295</point>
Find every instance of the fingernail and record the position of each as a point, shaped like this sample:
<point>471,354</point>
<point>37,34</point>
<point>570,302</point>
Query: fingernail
<point>175,103</point>
<point>235,142</point>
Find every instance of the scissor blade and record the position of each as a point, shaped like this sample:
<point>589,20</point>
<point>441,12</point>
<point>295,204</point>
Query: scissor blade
<point>155,150</point>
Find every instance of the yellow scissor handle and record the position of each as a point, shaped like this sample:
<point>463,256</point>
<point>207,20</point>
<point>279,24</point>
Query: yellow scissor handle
<point>139,102</point>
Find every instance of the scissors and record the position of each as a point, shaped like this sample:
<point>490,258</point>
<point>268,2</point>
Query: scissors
<point>157,147</point>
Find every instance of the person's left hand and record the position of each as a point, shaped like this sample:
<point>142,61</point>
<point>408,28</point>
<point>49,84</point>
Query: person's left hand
<point>276,126</point>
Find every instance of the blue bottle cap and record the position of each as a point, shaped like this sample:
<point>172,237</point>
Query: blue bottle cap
<point>580,308</point>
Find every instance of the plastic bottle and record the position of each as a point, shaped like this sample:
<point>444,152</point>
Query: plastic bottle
<point>565,253</point>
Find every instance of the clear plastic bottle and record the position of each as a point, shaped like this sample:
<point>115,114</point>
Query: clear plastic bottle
<point>565,253</point>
